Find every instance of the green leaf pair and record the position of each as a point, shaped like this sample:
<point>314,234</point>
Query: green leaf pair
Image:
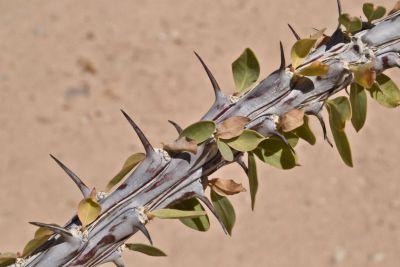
<point>352,24</point>
<point>373,13</point>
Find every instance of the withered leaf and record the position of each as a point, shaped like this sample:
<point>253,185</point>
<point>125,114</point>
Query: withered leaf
<point>181,145</point>
<point>291,120</point>
<point>364,75</point>
<point>231,127</point>
<point>225,187</point>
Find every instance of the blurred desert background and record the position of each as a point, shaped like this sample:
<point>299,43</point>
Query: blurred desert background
<point>68,66</point>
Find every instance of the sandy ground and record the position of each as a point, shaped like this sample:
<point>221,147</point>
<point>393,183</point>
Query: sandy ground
<point>67,67</point>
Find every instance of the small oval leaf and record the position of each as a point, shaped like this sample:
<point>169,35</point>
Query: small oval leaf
<point>246,70</point>
<point>129,164</point>
<point>42,231</point>
<point>88,211</point>
<point>300,50</point>
<point>176,214</point>
<point>385,92</point>
<point>201,223</point>
<point>247,141</point>
<point>358,100</point>
<point>199,131</point>
<point>253,179</point>
<point>225,150</point>
<point>276,153</point>
<point>224,210</point>
<point>33,244</point>
<point>146,249</point>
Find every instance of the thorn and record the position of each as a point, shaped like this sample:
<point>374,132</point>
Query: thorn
<point>339,6</point>
<point>217,89</point>
<point>54,228</point>
<point>177,127</point>
<point>81,185</point>
<point>283,61</point>
<point>322,122</point>
<point>146,233</point>
<point>294,32</point>
<point>207,202</point>
<point>147,146</point>
<point>283,139</point>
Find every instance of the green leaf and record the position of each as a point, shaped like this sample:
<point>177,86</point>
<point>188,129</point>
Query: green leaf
<point>201,223</point>
<point>199,131</point>
<point>314,69</point>
<point>88,211</point>
<point>339,135</point>
<point>276,153</point>
<point>245,70</point>
<point>225,150</point>
<point>146,249</point>
<point>305,132</point>
<point>224,210</point>
<point>129,164</point>
<point>385,92</point>
<point>352,24</point>
<point>247,141</point>
<point>358,100</point>
<point>300,50</point>
<point>372,13</point>
<point>7,259</point>
<point>339,111</point>
<point>176,214</point>
<point>42,231</point>
<point>33,244</point>
<point>253,179</point>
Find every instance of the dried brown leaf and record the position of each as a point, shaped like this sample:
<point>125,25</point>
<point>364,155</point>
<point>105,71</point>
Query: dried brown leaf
<point>181,145</point>
<point>225,187</point>
<point>231,127</point>
<point>291,120</point>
